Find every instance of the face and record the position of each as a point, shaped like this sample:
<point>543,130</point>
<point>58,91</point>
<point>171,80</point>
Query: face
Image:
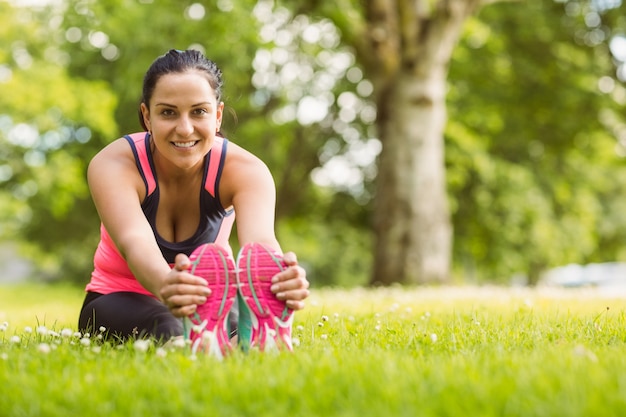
<point>183,116</point>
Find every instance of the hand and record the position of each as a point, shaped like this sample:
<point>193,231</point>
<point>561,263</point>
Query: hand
<point>181,291</point>
<point>291,284</point>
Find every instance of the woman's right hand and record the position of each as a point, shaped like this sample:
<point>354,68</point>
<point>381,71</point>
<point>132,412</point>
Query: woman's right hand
<point>182,292</point>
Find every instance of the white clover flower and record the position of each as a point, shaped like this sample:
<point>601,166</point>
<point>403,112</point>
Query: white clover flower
<point>295,341</point>
<point>96,349</point>
<point>4,326</point>
<point>324,336</point>
<point>336,315</point>
<point>85,341</point>
<point>433,337</point>
<point>67,333</point>
<point>161,353</point>
<point>377,327</point>
<point>102,329</point>
<point>15,339</point>
<point>77,335</point>
<point>141,345</point>
<point>44,348</point>
<point>28,329</point>
<point>324,318</point>
<point>427,314</point>
<point>4,356</point>
<point>179,342</point>
<point>320,324</point>
<point>87,335</point>
<point>52,333</point>
<point>299,327</point>
<point>99,337</point>
<point>42,330</point>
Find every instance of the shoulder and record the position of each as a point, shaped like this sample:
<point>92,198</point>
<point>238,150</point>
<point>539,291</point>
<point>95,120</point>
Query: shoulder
<point>115,161</point>
<point>118,151</point>
<point>244,173</point>
<point>241,160</point>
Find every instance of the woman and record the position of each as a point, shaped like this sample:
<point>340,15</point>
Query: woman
<point>167,199</point>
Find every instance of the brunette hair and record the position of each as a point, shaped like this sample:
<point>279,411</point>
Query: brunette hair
<point>176,61</point>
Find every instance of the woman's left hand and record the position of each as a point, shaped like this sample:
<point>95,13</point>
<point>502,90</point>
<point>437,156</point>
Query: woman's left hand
<point>291,284</point>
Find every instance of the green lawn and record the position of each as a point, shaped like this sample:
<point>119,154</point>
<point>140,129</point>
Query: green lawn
<point>384,352</point>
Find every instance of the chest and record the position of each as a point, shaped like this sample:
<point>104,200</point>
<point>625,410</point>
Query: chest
<point>178,211</point>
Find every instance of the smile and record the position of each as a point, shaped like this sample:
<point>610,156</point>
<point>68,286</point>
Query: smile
<point>184,144</point>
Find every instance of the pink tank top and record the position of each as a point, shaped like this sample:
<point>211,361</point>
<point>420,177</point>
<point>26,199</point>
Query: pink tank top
<point>111,272</point>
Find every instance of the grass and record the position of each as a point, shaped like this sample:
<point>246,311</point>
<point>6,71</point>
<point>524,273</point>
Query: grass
<point>384,352</point>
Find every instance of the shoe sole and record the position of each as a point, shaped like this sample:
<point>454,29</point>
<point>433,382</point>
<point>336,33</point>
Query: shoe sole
<point>207,328</point>
<point>271,318</point>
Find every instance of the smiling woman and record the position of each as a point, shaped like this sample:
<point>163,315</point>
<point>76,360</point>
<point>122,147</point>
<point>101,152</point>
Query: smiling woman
<point>167,199</point>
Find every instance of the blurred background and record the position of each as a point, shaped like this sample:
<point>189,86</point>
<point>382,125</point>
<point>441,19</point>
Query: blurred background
<point>455,142</point>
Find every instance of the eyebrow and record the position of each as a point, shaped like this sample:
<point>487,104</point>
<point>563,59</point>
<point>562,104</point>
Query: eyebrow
<point>204,103</point>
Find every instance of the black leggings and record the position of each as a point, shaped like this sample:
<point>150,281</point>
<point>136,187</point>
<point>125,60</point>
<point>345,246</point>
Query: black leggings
<point>132,315</point>
<point>128,314</point>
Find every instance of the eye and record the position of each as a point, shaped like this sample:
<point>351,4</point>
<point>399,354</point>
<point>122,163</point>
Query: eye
<point>167,112</point>
<point>200,112</point>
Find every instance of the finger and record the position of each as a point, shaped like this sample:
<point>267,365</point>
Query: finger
<point>295,283</point>
<point>293,295</point>
<point>295,305</point>
<point>184,310</point>
<point>289,273</point>
<point>180,290</point>
<point>182,262</point>
<point>290,258</point>
<point>179,301</point>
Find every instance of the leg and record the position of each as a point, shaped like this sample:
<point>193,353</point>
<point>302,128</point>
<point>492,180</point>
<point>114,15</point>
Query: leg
<point>126,315</point>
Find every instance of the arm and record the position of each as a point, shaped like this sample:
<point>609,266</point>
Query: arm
<point>248,186</point>
<point>117,190</point>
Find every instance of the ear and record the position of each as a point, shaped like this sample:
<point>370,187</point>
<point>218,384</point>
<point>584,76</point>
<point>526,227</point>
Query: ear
<point>219,114</point>
<point>145,113</point>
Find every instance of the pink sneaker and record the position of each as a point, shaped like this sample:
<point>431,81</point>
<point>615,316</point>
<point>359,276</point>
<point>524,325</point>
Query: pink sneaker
<point>208,328</point>
<point>264,321</point>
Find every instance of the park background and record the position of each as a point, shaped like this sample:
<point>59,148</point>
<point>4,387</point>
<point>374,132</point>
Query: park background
<point>446,149</point>
<point>451,142</point>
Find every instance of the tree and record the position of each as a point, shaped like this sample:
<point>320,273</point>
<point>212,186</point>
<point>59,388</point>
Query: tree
<point>47,120</point>
<point>405,48</point>
<point>536,181</point>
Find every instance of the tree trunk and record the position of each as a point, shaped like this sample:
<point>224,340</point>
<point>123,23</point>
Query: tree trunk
<point>412,221</point>
<point>407,52</point>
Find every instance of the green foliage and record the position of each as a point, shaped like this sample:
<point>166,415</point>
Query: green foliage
<point>49,123</point>
<point>534,178</point>
<point>400,352</point>
<point>532,166</point>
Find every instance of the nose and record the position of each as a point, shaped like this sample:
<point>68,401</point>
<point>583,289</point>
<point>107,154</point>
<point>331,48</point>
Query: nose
<point>184,128</point>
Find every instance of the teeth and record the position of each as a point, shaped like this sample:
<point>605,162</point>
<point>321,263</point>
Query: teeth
<point>184,144</point>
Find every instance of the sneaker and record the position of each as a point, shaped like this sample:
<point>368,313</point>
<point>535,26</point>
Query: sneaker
<point>264,321</point>
<point>207,328</point>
